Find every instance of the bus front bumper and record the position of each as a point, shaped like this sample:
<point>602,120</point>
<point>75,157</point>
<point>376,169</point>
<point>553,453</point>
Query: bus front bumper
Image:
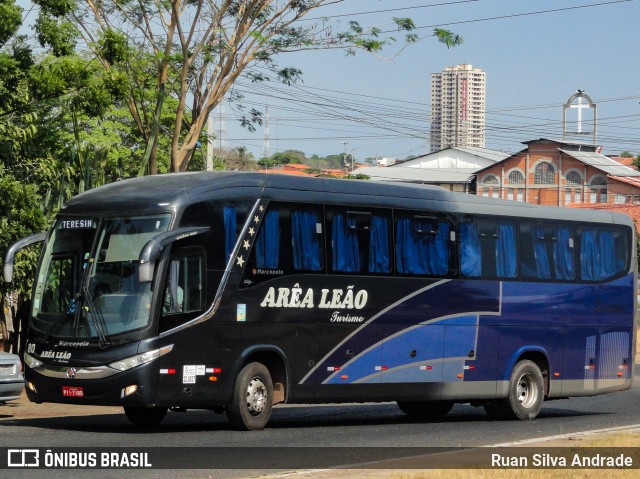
<point>90,386</point>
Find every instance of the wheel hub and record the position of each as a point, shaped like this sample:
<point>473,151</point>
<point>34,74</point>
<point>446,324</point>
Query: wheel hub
<point>526,391</point>
<point>256,396</point>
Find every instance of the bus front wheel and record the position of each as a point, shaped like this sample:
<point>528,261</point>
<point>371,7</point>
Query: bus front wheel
<point>252,401</point>
<point>526,393</point>
<point>145,416</point>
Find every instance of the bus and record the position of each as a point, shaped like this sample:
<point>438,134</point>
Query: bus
<point>234,292</point>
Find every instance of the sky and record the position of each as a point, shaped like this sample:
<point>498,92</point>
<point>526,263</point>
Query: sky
<point>536,54</point>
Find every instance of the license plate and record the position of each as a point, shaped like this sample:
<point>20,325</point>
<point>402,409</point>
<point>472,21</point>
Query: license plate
<point>7,370</point>
<point>71,391</point>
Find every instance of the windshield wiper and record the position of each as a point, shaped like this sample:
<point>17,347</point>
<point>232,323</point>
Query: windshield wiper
<point>98,318</point>
<point>72,308</point>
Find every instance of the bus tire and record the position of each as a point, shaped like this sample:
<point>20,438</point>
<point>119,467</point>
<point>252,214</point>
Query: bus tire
<point>252,401</point>
<point>145,416</point>
<point>526,392</point>
<point>425,410</point>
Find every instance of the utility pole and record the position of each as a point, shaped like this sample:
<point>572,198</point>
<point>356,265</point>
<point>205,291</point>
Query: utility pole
<point>344,145</point>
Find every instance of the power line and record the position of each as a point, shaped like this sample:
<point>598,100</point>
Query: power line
<point>388,10</point>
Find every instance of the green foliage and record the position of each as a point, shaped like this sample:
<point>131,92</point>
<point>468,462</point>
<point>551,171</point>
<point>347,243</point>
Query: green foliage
<point>283,158</point>
<point>58,35</point>
<point>293,157</point>
<point>20,215</point>
<point>359,176</point>
<point>113,46</point>
<point>56,8</point>
<point>217,41</point>
<point>447,37</point>
<point>268,163</point>
<point>11,19</point>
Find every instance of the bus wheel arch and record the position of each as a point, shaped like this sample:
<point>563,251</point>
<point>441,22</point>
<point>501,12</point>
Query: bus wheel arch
<point>260,383</point>
<point>539,359</point>
<point>536,355</point>
<point>250,407</point>
<point>273,360</point>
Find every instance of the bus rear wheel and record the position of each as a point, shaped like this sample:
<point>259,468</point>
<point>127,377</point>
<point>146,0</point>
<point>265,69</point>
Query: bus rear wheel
<point>145,416</point>
<point>526,393</point>
<point>425,410</point>
<point>252,401</point>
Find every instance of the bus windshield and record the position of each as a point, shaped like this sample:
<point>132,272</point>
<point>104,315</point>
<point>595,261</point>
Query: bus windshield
<point>87,293</point>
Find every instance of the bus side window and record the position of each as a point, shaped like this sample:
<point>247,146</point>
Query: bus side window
<point>288,240</point>
<point>59,284</point>
<point>547,251</point>
<point>267,246</point>
<point>423,244</point>
<point>225,221</point>
<point>488,249</point>
<point>359,242</point>
<point>184,292</point>
<point>603,253</point>
<point>306,239</point>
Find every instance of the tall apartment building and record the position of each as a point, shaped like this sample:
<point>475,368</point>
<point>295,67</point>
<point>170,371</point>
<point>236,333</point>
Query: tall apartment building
<point>458,107</point>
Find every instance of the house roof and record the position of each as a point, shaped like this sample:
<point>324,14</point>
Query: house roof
<point>562,142</point>
<point>601,162</point>
<point>631,180</point>
<point>592,158</point>
<point>491,155</point>
<point>289,171</point>
<point>629,209</point>
<point>623,160</point>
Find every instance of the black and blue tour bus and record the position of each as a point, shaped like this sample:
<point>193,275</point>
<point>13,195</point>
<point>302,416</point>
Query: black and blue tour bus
<point>237,291</point>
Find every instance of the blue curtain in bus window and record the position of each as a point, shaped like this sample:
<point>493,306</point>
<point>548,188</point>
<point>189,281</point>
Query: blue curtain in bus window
<point>410,256</point>
<point>344,246</point>
<point>563,254</point>
<point>229,230</point>
<point>470,256</point>
<point>543,271</point>
<point>607,248</point>
<point>506,252</point>
<point>437,247</point>
<point>589,255</point>
<point>379,261</point>
<point>305,241</point>
<point>268,241</point>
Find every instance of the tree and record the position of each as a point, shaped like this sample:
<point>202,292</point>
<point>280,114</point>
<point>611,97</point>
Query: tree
<point>20,215</point>
<point>200,48</point>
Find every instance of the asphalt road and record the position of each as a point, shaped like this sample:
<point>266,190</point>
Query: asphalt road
<point>370,425</point>
<point>352,429</point>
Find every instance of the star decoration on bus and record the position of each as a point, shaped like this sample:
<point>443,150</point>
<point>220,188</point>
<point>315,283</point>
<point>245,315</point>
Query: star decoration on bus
<point>261,208</point>
<point>246,245</point>
<point>240,261</point>
<point>256,218</point>
<point>251,232</point>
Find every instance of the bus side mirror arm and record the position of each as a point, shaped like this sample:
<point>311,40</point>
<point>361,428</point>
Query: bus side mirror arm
<point>7,269</point>
<point>151,250</point>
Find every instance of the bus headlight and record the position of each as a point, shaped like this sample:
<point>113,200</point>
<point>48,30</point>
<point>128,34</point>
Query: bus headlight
<point>139,359</point>
<point>31,361</point>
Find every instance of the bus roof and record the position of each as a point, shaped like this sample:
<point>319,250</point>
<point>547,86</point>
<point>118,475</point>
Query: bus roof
<point>172,192</point>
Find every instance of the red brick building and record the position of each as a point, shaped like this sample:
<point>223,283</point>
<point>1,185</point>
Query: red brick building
<point>560,173</point>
